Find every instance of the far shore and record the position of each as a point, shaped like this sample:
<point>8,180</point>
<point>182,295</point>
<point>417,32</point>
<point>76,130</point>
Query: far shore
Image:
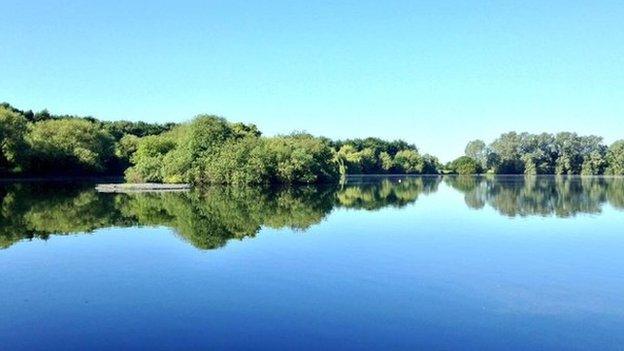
<point>121,179</point>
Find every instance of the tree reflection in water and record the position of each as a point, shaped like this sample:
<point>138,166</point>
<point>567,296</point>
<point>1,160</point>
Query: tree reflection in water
<point>540,195</point>
<point>208,218</point>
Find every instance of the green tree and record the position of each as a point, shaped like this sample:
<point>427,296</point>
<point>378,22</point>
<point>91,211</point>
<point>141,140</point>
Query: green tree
<point>13,148</point>
<point>126,147</point>
<point>209,150</point>
<point>369,161</point>
<point>409,162</point>
<point>476,150</point>
<point>506,150</point>
<point>569,159</point>
<point>537,153</point>
<point>465,165</point>
<point>240,162</point>
<point>579,154</point>
<point>242,130</point>
<point>370,155</point>
<point>564,153</point>
<point>69,146</point>
<point>594,163</point>
<point>349,160</point>
<point>386,162</point>
<point>431,164</point>
<point>615,158</point>
<point>148,158</point>
<point>302,158</point>
<point>119,129</point>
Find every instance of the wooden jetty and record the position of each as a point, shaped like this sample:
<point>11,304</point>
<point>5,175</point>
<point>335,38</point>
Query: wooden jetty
<point>140,187</point>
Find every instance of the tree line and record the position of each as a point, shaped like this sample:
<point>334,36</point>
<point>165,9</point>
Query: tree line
<point>524,153</point>
<point>211,150</point>
<point>206,150</point>
<point>45,144</point>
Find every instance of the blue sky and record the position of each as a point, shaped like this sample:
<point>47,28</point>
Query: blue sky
<point>435,73</point>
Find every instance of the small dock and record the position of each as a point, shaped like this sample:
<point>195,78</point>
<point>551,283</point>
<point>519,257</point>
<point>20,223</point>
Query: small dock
<point>140,187</point>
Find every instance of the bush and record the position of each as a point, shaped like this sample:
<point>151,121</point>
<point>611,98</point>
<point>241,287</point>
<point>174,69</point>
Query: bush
<point>148,159</point>
<point>302,158</point>
<point>465,165</point>
<point>409,161</point>
<point>209,150</point>
<point>69,146</point>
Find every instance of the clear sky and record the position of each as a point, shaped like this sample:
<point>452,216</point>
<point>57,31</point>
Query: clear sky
<point>435,73</point>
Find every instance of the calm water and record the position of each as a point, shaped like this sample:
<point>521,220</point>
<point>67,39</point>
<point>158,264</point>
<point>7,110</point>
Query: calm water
<point>425,263</point>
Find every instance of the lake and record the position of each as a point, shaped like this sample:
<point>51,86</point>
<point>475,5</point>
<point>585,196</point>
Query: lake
<point>400,263</point>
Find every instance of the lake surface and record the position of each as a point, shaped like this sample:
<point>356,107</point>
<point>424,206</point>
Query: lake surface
<point>402,263</point>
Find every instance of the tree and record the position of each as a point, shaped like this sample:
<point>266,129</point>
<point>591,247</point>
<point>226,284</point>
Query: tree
<point>13,148</point>
<point>209,150</point>
<point>148,158</point>
<point>431,164</point>
<point>507,157</point>
<point>349,160</point>
<point>127,146</point>
<point>69,146</point>
<point>302,158</point>
<point>386,161</point>
<point>476,150</point>
<point>240,162</point>
<point>579,154</point>
<point>205,133</point>
<point>564,153</point>
<point>537,153</point>
<point>615,158</point>
<point>465,165</point>
<point>192,144</point>
<point>370,155</point>
<point>409,161</point>
<point>369,161</point>
<point>245,130</point>
<point>119,129</point>
<point>594,163</point>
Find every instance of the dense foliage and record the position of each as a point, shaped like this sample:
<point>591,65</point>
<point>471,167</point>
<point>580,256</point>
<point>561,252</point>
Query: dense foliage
<point>45,144</point>
<point>563,154</point>
<point>211,150</point>
<point>13,128</point>
<point>207,150</point>
<point>464,165</point>
<point>615,158</point>
<point>70,146</point>
<point>376,156</point>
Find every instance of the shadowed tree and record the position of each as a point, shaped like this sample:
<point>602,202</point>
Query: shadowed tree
<point>13,148</point>
<point>615,158</point>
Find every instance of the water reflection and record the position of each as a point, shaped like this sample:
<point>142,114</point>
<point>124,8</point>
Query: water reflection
<point>209,218</point>
<point>543,196</point>
<point>372,193</point>
<point>36,210</point>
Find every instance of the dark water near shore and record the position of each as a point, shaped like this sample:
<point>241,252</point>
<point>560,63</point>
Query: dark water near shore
<point>402,263</point>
